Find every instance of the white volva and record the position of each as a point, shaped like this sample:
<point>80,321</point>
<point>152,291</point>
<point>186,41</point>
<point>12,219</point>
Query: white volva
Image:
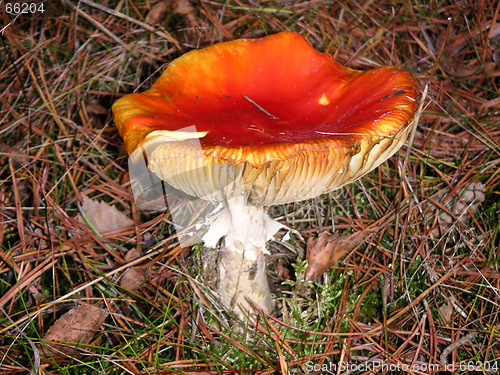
<point>242,269</point>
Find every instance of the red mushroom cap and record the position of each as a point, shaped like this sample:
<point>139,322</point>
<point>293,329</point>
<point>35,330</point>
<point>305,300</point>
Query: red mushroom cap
<point>274,103</point>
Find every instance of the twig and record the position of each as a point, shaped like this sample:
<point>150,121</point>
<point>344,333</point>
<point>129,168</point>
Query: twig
<point>464,340</point>
<point>260,108</point>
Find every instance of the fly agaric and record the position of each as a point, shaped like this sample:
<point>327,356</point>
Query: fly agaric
<point>277,122</point>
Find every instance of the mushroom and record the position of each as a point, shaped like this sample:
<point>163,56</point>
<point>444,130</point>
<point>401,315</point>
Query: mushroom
<point>258,122</point>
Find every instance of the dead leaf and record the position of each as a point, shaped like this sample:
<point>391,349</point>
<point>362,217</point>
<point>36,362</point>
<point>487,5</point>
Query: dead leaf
<point>446,311</point>
<point>72,330</point>
<point>94,108</point>
<point>42,240</point>
<point>132,279</point>
<point>17,157</point>
<point>132,254</point>
<point>103,217</point>
<point>181,7</point>
<point>282,271</point>
<point>184,8</point>
<point>157,13</point>
<point>326,250</point>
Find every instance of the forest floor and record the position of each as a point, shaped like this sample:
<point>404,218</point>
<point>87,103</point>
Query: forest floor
<point>419,295</point>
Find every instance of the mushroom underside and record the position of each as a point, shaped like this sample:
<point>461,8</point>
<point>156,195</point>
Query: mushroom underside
<point>304,175</point>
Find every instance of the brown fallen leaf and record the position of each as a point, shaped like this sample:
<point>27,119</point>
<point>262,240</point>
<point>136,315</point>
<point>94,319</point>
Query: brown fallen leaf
<point>282,271</point>
<point>17,157</point>
<point>94,108</point>
<point>157,13</point>
<point>181,7</point>
<point>103,217</point>
<point>72,330</point>
<point>132,254</point>
<point>132,279</point>
<point>446,310</point>
<point>184,8</point>
<point>326,250</point>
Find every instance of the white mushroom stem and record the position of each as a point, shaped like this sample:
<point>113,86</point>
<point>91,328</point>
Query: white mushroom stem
<point>242,279</point>
<point>242,269</point>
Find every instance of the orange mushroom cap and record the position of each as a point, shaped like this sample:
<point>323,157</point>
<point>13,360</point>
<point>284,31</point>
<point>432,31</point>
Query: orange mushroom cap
<point>276,108</point>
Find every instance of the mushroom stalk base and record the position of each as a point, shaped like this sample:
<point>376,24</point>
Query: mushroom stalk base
<point>242,270</point>
<point>242,279</point>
